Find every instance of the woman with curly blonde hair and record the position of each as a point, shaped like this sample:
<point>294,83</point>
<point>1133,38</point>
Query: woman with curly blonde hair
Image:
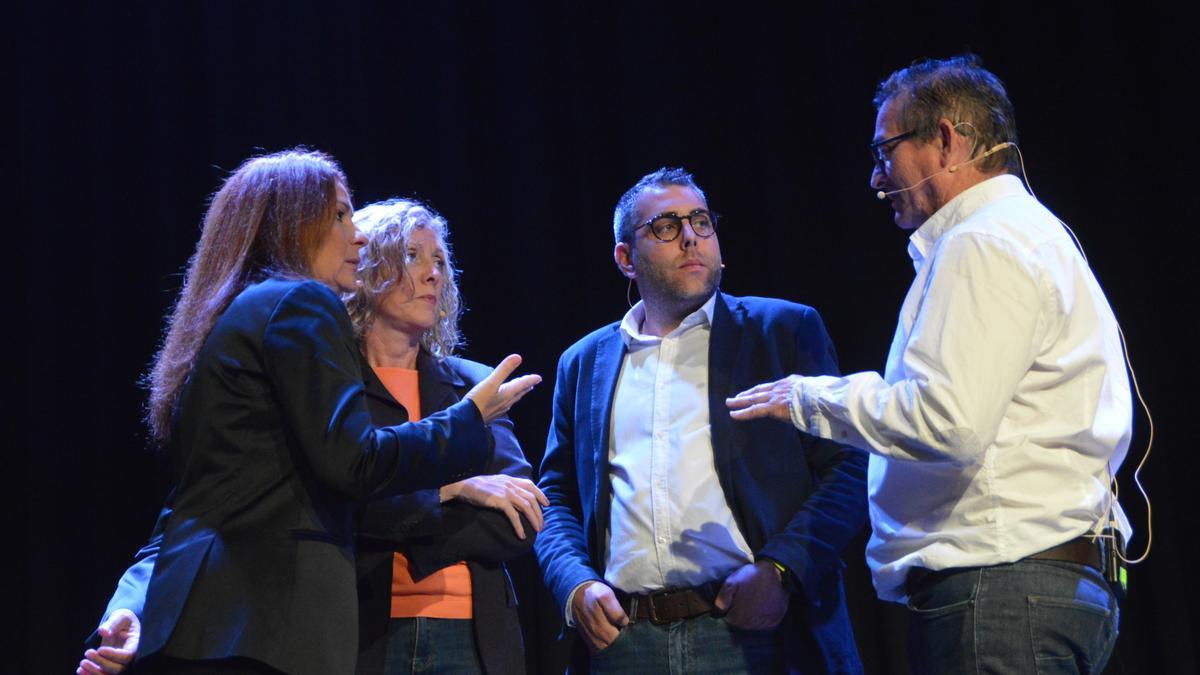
<point>433,592</point>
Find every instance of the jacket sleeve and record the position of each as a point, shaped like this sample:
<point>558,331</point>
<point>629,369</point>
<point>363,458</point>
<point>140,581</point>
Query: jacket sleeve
<point>562,545</point>
<point>433,535</point>
<point>811,544</point>
<point>132,586</point>
<point>311,358</point>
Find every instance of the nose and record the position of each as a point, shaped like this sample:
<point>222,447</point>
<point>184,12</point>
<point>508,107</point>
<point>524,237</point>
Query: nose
<point>687,235</point>
<point>878,177</point>
<point>360,239</point>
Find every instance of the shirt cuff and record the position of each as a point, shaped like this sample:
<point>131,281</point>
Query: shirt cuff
<point>568,611</point>
<point>804,412</point>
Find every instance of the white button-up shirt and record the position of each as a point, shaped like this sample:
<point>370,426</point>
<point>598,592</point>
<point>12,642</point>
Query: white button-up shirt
<point>1005,403</point>
<point>670,524</point>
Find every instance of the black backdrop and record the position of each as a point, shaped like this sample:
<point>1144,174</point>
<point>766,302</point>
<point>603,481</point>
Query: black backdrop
<point>522,124</point>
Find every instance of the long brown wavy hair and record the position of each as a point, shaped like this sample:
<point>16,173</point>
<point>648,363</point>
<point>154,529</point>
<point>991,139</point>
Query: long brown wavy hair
<point>268,219</point>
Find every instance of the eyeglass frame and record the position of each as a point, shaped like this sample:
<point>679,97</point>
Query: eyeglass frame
<point>713,216</point>
<point>877,148</point>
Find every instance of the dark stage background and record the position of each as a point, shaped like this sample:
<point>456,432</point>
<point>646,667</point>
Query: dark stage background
<point>522,124</point>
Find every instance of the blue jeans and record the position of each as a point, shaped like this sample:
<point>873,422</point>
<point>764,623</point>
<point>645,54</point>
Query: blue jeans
<point>424,645</point>
<point>1030,616</point>
<point>702,645</point>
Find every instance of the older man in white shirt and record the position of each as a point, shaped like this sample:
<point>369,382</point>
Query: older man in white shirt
<point>1004,408</point>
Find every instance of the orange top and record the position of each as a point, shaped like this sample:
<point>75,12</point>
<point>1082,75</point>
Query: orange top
<point>445,594</point>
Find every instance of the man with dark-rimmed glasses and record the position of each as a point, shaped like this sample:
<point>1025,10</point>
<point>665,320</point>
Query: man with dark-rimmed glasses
<point>675,542</point>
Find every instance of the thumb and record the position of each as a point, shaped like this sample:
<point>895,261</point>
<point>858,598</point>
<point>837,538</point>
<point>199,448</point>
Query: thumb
<point>725,597</point>
<point>504,369</point>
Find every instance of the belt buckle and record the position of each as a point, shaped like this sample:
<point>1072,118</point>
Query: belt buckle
<point>650,599</point>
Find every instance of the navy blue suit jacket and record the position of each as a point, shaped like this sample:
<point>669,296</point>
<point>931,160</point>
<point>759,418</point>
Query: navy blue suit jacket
<point>431,534</point>
<point>797,499</point>
<point>275,449</point>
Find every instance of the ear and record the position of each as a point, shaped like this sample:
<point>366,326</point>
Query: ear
<point>623,255</point>
<point>950,138</point>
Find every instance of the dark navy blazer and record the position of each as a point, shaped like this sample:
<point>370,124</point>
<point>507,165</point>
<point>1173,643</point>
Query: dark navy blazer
<point>433,535</point>
<point>274,450</point>
<point>797,499</point>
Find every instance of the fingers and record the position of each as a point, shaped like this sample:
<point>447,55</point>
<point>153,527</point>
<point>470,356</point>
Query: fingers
<point>759,389</point>
<point>527,501</point>
<point>523,505</point>
<point>493,397</point>
<point>119,657</point>
<point>537,492</point>
<point>519,387</point>
<point>753,412</point>
<point>612,609</point>
<point>725,597</point>
<point>514,497</point>
<point>100,663</point>
<point>514,518</point>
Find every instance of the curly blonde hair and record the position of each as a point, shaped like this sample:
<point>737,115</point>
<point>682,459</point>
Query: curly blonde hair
<point>388,226</point>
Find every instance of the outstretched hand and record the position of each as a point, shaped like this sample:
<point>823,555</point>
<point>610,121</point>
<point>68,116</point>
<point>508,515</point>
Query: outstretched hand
<point>514,497</point>
<point>766,400</point>
<point>493,396</point>
<point>119,636</point>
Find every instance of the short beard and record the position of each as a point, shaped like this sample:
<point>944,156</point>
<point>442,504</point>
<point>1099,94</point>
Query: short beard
<point>653,283</point>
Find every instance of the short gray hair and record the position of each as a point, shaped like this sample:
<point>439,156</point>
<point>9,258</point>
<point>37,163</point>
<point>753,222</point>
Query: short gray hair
<point>625,213</point>
<point>958,89</point>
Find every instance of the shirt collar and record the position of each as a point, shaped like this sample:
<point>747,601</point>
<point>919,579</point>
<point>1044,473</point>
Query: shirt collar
<point>631,324</point>
<point>959,209</point>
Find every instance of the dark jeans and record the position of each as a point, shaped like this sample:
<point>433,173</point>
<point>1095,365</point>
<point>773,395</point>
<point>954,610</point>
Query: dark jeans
<point>703,645</point>
<point>1030,616</point>
<point>423,645</point>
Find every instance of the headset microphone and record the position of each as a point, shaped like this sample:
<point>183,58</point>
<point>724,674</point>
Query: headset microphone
<point>991,151</point>
<point>950,169</point>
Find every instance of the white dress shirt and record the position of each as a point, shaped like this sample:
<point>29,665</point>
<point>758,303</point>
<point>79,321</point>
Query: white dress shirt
<point>670,525</point>
<point>1005,402</point>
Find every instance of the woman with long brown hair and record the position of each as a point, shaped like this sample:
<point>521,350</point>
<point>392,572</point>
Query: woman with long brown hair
<point>258,397</point>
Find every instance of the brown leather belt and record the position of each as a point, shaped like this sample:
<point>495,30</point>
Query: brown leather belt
<point>669,605</point>
<point>1081,550</point>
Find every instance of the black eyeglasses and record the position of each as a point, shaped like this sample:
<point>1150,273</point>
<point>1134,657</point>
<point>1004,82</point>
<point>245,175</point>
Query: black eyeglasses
<point>881,150</point>
<point>668,226</point>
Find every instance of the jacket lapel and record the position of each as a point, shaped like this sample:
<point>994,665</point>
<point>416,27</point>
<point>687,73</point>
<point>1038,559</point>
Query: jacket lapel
<point>437,384</point>
<point>437,387</point>
<point>610,350</point>
<point>724,359</point>
<point>379,396</point>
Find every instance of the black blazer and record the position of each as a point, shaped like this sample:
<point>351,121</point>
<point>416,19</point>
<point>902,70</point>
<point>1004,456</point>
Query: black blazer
<point>797,499</point>
<point>274,448</point>
<point>433,535</point>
